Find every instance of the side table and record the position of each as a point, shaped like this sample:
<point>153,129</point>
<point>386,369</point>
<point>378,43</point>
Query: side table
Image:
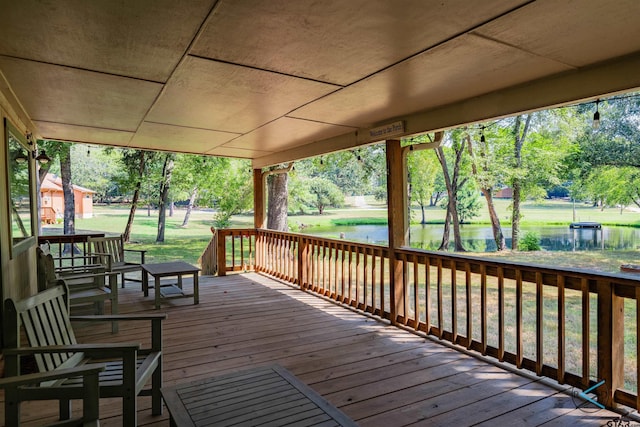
<point>169,291</point>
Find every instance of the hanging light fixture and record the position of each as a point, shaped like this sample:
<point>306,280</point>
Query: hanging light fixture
<point>21,157</point>
<point>43,158</point>
<point>482,138</point>
<point>596,116</point>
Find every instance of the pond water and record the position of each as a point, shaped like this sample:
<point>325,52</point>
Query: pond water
<point>479,238</point>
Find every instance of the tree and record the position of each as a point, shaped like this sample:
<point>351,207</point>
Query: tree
<point>616,142</point>
<point>67,191</point>
<point>423,168</point>
<point>488,173</point>
<point>191,175</point>
<point>97,168</point>
<point>233,193</point>
<point>165,185</point>
<point>277,185</point>
<point>453,183</point>
<point>134,160</point>
<point>325,194</point>
<point>519,136</point>
<point>468,202</point>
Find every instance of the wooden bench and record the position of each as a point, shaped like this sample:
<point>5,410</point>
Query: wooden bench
<point>112,253</point>
<point>45,321</point>
<point>87,284</point>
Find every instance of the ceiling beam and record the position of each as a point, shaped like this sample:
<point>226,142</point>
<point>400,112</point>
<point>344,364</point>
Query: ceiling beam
<point>589,83</point>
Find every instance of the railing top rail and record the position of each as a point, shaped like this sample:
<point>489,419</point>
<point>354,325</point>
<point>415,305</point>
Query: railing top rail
<point>67,238</point>
<point>236,231</point>
<point>620,278</point>
<point>325,239</point>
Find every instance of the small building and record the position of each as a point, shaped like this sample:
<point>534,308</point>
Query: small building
<point>504,193</point>
<point>52,200</point>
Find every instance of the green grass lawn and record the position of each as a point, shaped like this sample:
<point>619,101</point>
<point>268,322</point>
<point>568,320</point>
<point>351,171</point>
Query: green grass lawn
<point>187,243</point>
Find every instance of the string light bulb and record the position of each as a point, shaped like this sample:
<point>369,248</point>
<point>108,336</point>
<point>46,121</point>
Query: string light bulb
<point>596,116</point>
<point>482,138</point>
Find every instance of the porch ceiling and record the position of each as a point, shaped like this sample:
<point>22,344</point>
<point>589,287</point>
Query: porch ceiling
<point>278,80</point>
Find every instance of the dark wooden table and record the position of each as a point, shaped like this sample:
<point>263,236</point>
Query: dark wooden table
<point>269,395</point>
<point>169,291</point>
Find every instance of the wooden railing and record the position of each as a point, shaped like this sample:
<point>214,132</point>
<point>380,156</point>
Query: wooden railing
<point>68,249</point>
<point>236,250</point>
<point>209,259</point>
<point>565,324</point>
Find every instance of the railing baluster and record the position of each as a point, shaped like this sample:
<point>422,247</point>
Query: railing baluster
<point>454,302</point>
<point>500,314</point>
<point>539,323</point>
<point>586,331</point>
<point>483,308</point>
<point>637,294</point>
<point>365,284</point>
<point>382,293</point>
<point>467,277</point>
<point>440,313</point>
<point>519,347</point>
<point>374,285</point>
<point>427,294</point>
<point>416,292</point>
<point>405,289</point>
<point>358,276</point>
<point>561,330</point>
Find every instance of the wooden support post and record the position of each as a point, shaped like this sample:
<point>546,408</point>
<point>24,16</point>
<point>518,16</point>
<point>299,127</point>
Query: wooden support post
<point>258,198</point>
<point>398,222</point>
<point>610,342</point>
<point>222,253</point>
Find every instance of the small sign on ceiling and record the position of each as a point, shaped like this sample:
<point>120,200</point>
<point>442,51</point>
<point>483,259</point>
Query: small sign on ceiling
<point>386,131</point>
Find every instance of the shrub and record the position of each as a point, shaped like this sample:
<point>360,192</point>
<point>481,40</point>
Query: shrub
<point>530,242</point>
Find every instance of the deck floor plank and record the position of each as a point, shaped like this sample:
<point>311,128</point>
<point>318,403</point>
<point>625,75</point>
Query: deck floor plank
<point>376,374</point>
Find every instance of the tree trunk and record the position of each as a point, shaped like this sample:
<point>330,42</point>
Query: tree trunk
<point>444,245</point>
<point>452,191</point>
<point>424,216</point>
<point>498,235</point>
<point>67,191</point>
<point>171,209</point>
<point>136,196</point>
<point>519,138</point>
<point>164,195</point>
<point>192,200</point>
<point>278,201</point>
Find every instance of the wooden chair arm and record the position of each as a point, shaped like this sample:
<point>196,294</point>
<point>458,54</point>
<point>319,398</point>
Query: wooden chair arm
<point>20,380</point>
<point>73,348</point>
<point>110,317</point>
<point>156,324</point>
<point>82,268</point>
<point>141,252</point>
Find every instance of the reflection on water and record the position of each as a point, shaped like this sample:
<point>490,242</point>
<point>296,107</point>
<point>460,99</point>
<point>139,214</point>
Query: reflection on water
<point>479,238</point>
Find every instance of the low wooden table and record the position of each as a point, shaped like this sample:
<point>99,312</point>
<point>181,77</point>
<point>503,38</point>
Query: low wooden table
<point>263,395</point>
<point>169,291</point>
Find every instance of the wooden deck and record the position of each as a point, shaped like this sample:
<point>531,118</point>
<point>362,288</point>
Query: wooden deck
<point>376,374</point>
